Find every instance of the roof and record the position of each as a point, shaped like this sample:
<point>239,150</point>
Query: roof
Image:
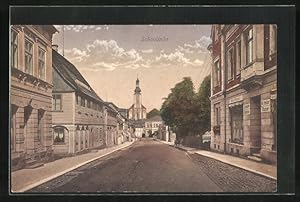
<point>72,76</point>
<point>132,106</point>
<point>155,118</point>
<point>137,123</point>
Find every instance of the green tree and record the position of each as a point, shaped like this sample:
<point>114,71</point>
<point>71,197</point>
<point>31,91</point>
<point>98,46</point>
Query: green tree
<point>177,109</point>
<point>202,107</point>
<point>152,113</point>
<point>187,112</point>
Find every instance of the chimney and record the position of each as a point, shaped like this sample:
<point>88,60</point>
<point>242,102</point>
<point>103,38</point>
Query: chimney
<point>55,47</point>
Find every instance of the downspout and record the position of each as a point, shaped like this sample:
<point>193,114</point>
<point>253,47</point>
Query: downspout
<point>223,58</point>
<point>225,122</point>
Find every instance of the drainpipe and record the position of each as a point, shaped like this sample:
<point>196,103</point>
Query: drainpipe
<point>225,122</point>
<point>223,57</point>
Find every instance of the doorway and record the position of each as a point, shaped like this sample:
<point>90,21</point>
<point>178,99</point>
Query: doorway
<point>255,122</point>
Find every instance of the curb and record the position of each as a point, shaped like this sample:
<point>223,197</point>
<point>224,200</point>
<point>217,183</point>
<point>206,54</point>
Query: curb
<point>241,167</point>
<point>237,166</point>
<point>28,187</point>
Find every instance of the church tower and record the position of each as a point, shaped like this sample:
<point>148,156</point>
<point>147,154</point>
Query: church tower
<point>137,111</point>
<point>137,94</point>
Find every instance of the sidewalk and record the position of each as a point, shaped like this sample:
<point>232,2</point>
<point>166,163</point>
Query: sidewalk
<point>263,169</point>
<point>26,179</point>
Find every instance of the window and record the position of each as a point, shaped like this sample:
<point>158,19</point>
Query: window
<point>217,77</point>
<point>230,64</point>
<point>41,63</point>
<point>40,124</point>
<point>59,135</point>
<point>77,97</point>
<point>217,115</point>
<point>236,114</point>
<point>56,102</point>
<point>82,102</point>
<point>249,46</point>
<point>28,56</point>
<point>88,104</point>
<point>14,49</point>
<point>273,39</point>
<point>13,127</point>
<point>238,58</point>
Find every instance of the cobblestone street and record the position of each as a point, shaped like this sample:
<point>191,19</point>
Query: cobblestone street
<point>233,179</point>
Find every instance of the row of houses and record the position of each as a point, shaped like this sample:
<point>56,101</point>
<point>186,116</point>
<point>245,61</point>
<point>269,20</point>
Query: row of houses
<point>243,90</point>
<point>54,110</point>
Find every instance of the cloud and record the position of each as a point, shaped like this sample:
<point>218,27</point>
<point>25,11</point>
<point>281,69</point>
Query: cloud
<point>199,46</point>
<point>77,54</point>
<point>147,51</point>
<point>82,28</point>
<point>105,66</point>
<point>109,55</point>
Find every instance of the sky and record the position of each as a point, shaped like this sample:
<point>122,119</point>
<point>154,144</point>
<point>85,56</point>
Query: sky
<point>111,57</point>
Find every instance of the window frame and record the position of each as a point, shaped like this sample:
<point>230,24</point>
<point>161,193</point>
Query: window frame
<point>14,46</point>
<point>82,101</point>
<point>54,104</point>
<point>273,50</point>
<point>61,140</point>
<point>217,110</point>
<point>43,60</point>
<point>247,42</point>
<point>230,57</point>
<point>217,72</point>
<point>28,53</point>
<point>238,54</point>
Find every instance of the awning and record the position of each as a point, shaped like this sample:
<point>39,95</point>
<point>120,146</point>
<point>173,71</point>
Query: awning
<point>235,104</point>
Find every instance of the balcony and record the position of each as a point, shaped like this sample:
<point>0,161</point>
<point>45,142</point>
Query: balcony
<point>251,75</point>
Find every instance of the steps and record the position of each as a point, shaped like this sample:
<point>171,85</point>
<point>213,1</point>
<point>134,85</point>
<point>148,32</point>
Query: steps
<point>255,157</point>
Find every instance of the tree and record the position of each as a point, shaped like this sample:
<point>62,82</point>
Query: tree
<point>187,112</point>
<point>177,109</point>
<point>152,113</point>
<point>202,107</point>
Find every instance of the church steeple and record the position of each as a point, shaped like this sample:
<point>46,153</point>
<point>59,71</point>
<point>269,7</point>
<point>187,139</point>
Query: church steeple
<point>137,87</point>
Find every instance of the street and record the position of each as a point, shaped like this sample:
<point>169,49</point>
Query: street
<point>150,166</point>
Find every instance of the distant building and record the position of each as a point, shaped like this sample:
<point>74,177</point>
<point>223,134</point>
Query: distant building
<point>81,120</point>
<point>122,129</point>
<point>30,94</point>
<point>138,127</point>
<point>153,124</point>
<point>137,111</point>
<point>243,91</point>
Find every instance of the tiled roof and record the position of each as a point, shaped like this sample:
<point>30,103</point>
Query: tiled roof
<point>70,73</point>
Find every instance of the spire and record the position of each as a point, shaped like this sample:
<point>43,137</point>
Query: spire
<point>137,86</point>
<point>137,83</point>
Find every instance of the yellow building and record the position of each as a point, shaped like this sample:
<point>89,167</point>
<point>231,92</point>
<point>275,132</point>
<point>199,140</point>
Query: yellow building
<point>30,94</point>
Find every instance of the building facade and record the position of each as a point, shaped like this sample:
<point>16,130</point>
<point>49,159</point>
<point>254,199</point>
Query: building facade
<point>137,111</point>
<point>80,119</point>
<point>30,94</point>
<point>122,125</point>
<point>243,91</point>
<point>153,124</point>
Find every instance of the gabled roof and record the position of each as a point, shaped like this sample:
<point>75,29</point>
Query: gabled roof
<point>72,76</point>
